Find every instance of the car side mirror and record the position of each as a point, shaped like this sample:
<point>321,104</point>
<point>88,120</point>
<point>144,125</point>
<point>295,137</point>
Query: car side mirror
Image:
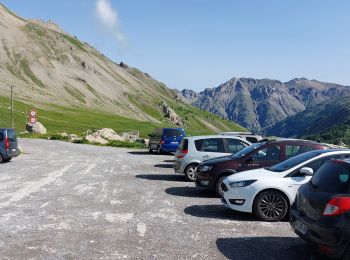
<point>306,171</point>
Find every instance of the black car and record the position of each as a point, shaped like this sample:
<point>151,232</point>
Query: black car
<point>321,211</point>
<point>8,144</point>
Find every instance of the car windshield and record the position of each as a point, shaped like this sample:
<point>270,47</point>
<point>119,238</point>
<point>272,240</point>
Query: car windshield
<point>246,150</point>
<point>292,162</point>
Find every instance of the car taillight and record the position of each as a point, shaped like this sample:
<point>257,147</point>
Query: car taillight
<point>182,154</point>
<point>162,142</point>
<point>7,144</point>
<point>337,206</point>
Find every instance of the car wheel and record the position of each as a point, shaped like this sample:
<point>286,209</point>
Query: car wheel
<point>159,151</point>
<point>150,149</point>
<point>1,159</point>
<point>191,172</point>
<point>271,206</point>
<point>218,188</point>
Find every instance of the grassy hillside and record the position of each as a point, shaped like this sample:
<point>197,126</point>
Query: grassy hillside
<point>77,120</point>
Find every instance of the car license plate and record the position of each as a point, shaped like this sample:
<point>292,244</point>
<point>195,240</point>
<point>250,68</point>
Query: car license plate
<point>300,227</point>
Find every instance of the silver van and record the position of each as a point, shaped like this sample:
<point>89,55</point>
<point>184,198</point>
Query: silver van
<point>8,144</point>
<point>193,150</point>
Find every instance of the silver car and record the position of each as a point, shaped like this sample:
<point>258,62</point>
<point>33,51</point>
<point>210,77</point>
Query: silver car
<point>196,149</point>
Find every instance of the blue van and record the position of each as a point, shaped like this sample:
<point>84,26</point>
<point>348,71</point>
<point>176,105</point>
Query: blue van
<point>8,144</point>
<point>165,140</point>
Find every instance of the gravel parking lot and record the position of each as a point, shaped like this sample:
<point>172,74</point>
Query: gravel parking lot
<point>69,201</point>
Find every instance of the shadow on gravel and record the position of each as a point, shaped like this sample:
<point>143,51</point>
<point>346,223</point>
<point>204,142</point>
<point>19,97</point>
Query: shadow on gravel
<point>265,248</point>
<point>164,165</point>
<point>141,153</point>
<point>162,177</point>
<point>191,192</point>
<point>168,161</point>
<point>217,212</point>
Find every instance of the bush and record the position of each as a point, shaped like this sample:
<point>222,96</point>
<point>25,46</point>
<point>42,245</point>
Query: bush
<point>126,144</point>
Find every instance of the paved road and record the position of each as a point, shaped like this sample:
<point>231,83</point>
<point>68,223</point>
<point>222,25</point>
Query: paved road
<point>69,201</point>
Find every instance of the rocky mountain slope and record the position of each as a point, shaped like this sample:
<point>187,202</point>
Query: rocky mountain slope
<point>321,122</point>
<point>50,68</point>
<point>259,104</point>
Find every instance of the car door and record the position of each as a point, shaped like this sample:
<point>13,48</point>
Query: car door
<point>209,148</point>
<point>263,157</point>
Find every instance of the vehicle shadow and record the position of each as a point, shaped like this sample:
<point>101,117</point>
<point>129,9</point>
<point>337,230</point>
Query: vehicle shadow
<point>265,248</point>
<point>168,161</point>
<point>218,212</point>
<point>162,177</point>
<point>164,165</point>
<point>141,153</point>
<point>191,192</point>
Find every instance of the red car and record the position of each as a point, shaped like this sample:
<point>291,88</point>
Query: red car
<point>211,173</point>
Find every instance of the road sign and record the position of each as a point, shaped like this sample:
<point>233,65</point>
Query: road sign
<point>33,120</point>
<point>33,113</point>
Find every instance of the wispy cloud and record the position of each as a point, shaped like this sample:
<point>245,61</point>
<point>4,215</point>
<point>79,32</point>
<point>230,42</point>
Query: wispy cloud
<point>108,16</point>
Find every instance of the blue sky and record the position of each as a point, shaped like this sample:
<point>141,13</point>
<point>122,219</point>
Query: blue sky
<point>199,44</point>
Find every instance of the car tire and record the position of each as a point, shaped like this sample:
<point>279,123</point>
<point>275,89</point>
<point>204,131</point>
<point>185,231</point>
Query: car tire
<point>218,188</point>
<point>271,205</point>
<point>1,158</point>
<point>190,172</point>
<point>150,149</point>
<point>159,151</point>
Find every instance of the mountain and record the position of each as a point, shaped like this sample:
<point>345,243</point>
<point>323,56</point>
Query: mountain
<point>327,121</point>
<point>55,72</point>
<point>261,103</point>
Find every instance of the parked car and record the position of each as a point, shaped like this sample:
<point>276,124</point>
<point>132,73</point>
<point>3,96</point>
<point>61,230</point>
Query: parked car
<point>8,144</point>
<point>269,192</point>
<point>165,140</point>
<point>321,211</point>
<point>211,173</point>
<point>250,137</point>
<point>194,150</point>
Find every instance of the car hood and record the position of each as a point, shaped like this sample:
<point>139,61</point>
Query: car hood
<point>255,174</point>
<point>217,160</point>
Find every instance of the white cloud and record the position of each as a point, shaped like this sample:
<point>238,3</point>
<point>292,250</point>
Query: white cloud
<point>108,16</point>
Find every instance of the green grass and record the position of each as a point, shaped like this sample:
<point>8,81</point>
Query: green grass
<point>74,41</point>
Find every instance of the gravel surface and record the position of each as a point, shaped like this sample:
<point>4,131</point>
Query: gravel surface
<point>69,201</point>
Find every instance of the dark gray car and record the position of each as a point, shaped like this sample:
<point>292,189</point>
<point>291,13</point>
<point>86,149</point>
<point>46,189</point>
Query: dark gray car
<point>8,144</point>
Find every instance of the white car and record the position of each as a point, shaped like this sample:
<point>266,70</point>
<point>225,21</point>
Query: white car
<point>193,150</point>
<point>268,193</point>
<point>253,138</point>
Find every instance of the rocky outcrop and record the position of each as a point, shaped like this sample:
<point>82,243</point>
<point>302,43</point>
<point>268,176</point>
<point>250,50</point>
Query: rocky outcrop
<point>37,128</point>
<point>171,115</point>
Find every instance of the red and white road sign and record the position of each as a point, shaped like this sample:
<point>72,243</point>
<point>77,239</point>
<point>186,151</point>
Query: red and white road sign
<point>33,120</point>
<point>33,113</point>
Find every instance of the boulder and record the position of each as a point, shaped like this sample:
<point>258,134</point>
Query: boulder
<point>64,134</point>
<point>109,134</point>
<point>37,128</point>
<point>132,136</point>
<point>96,139</point>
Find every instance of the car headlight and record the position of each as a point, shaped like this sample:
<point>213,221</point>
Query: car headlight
<point>241,183</point>
<point>206,168</point>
